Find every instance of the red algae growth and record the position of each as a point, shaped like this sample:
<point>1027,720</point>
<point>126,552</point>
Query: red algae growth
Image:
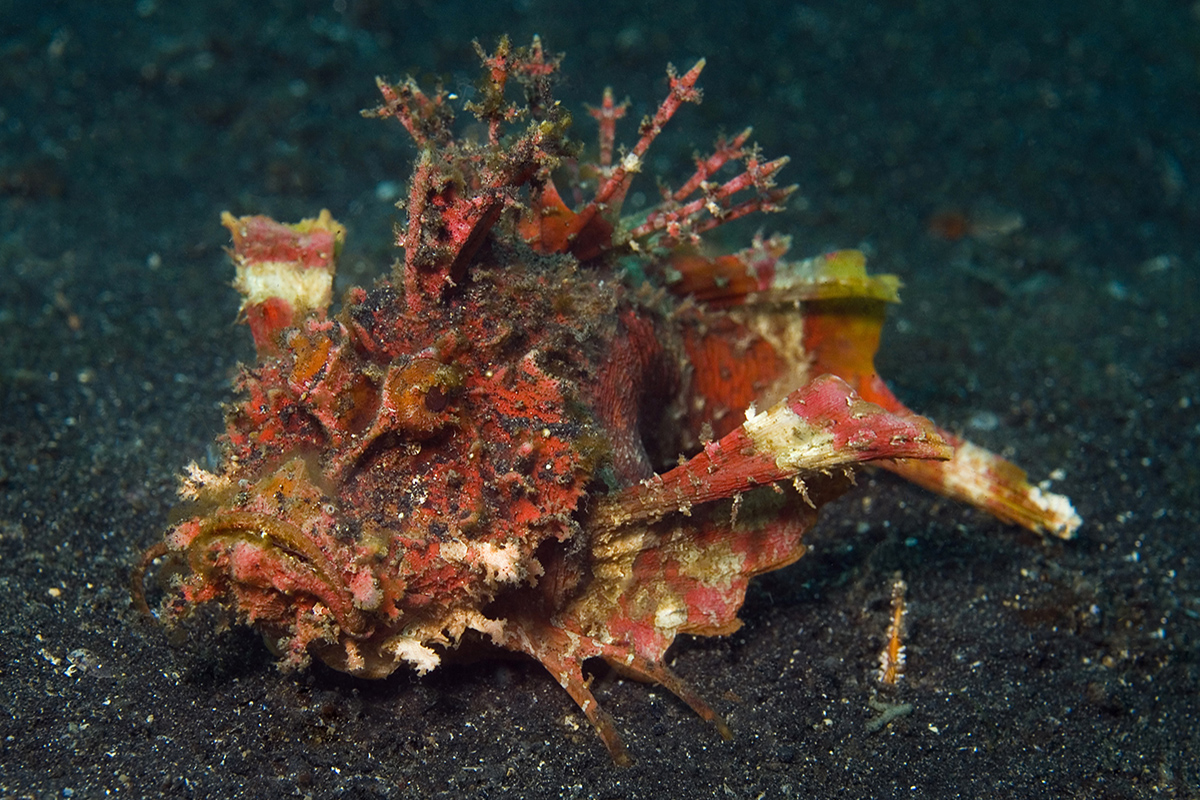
<point>487,446</point>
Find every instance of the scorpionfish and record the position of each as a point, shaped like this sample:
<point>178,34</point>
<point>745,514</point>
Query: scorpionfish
<point>487,445</point>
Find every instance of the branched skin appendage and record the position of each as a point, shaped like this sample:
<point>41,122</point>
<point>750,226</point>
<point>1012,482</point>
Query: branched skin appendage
<point>487,445</point>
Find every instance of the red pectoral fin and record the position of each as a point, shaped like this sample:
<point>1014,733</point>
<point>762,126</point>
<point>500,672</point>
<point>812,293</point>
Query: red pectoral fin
<point>820,427</point>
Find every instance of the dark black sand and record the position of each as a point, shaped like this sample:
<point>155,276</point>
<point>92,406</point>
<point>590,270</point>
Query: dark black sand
<point>1036,668</point>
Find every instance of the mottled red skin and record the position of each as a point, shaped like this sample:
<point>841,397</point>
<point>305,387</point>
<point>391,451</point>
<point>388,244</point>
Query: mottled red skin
<point>486,444</point>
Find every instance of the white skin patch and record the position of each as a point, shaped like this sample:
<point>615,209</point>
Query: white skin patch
<point>503,564</point>
<point>1064,519</point>
<point>500,564</point>
<point>453,551</point>
<point>302,288</point>
<point>418,656</point>
<point>795,444</point>
<point>492,628</point>
<point>198,479</point>
<point>670,617</point>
